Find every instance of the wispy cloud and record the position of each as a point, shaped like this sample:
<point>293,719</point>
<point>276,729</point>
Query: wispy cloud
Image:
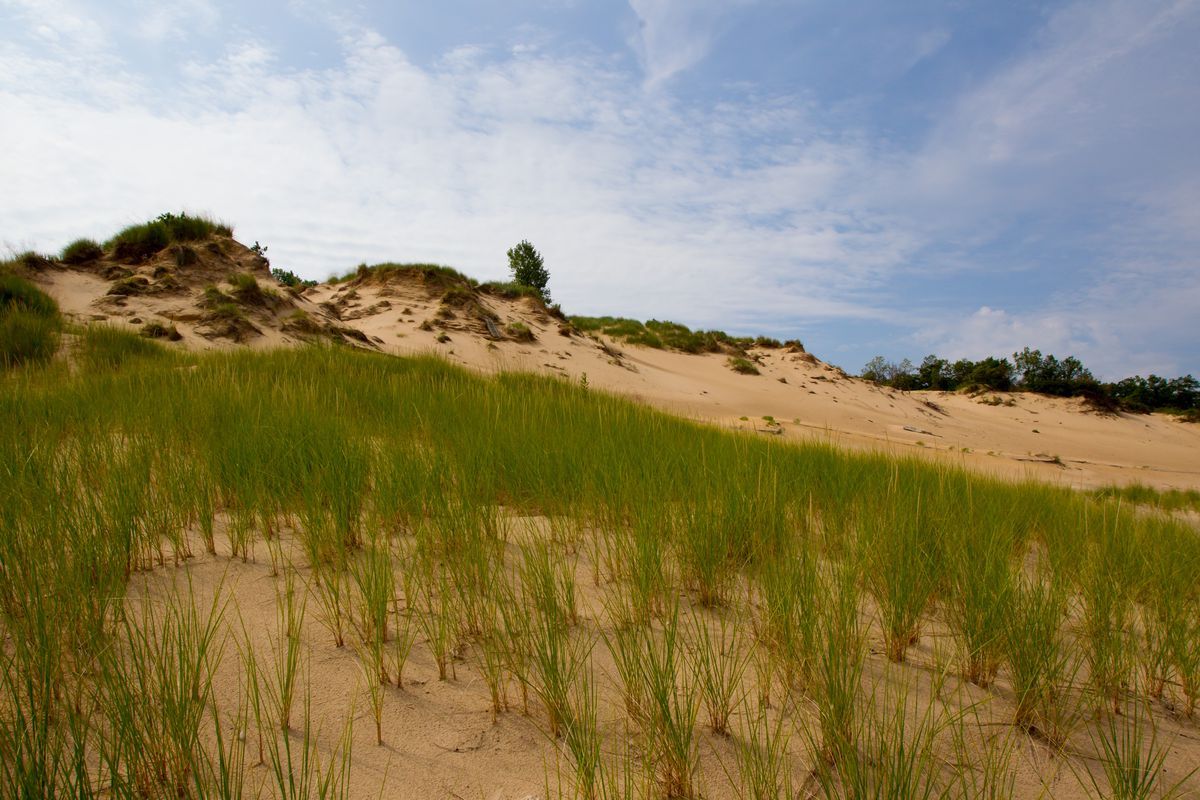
<point>673,35</point>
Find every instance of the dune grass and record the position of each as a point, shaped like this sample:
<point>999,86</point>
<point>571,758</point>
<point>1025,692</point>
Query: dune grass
<point>442,512</point>
<point>29,322</point>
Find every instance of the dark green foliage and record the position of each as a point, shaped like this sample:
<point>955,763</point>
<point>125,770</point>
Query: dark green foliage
<point>1047,375</point>
<point>81,251</point>
<point>1148,394</point>
<point>1031,371</point>
<point>291,279</point>
<point>528,268</point>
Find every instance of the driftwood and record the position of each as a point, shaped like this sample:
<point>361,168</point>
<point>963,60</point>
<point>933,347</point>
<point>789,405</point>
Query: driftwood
<point>492,330</point>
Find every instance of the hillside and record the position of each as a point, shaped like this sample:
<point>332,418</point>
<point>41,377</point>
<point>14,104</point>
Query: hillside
<point>238,568</point>
<point>216,293</point>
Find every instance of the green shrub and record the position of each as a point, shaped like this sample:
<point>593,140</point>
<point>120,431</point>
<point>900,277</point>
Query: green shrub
<point>528,268</point>
<point>291,279</point>
<point>743,365</point>
<point>81,251</point>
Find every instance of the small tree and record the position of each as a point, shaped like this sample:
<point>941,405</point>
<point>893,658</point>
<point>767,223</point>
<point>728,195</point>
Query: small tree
<point>528,269</point>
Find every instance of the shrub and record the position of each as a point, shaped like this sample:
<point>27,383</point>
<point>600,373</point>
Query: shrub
<point>291,279</point>
<point>528,268</point>
<point>81,251</point>
<point>743,365</point>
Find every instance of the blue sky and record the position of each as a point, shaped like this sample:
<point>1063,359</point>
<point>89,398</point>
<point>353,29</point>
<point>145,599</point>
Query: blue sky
<point>887,178</point>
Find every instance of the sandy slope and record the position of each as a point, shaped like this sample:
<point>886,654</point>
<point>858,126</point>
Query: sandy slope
<point>1022,436</point>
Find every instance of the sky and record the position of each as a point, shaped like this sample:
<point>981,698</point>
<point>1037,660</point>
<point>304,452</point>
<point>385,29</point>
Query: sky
<point>874,178</point>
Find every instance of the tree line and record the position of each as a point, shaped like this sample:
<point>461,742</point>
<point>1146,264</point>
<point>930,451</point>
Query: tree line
<point>1031,371</point>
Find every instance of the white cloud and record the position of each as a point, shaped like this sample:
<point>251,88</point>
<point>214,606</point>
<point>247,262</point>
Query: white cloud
<point>673,35</point>
<point>640,206</point>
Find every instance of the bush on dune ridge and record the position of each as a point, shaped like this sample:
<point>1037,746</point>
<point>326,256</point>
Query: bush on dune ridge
<point>139,242</point>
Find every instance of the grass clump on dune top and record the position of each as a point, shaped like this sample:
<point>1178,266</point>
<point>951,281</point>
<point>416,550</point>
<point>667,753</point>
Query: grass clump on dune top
<point>667,335</point>
<point>139,242</point>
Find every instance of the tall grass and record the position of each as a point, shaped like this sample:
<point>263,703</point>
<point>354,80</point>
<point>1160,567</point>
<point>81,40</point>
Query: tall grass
<point>373,471</point>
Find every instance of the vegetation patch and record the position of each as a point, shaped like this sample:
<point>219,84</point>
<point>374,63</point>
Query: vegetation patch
<point>138,242</point>
<point>103,347</point>
<point>519,331</point>
<point>81,251</point>
<point>159,330</point>
<point>29,322</point>
<point>743,366</point>
<point>672,335</point>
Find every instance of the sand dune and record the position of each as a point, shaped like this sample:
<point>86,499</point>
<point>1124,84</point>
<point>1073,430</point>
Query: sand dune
<point>1012,435</point>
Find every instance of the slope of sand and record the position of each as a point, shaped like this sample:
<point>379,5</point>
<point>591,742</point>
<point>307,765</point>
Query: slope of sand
<point>1010,435</point>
